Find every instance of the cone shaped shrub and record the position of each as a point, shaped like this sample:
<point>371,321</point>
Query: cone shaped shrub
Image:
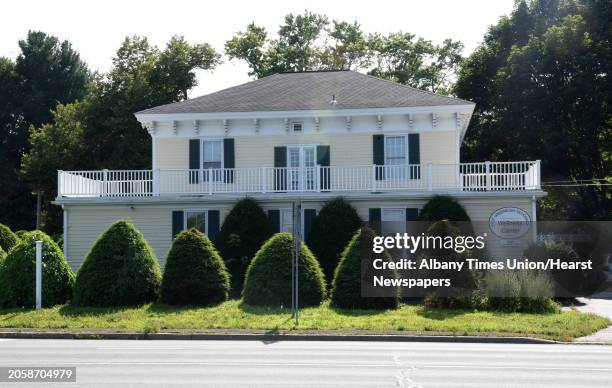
<point>348,278</point>
<point>119,270</point>
<point>8,239</point>
<point>195,273</point>
<point>331,231</point>
<point>268,278</point>
<point>443,207</point>
<point>243,232</point>
<point>18,274</point>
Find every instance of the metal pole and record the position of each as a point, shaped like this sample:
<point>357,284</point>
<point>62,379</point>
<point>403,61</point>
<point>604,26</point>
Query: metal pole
<point>38,275</point>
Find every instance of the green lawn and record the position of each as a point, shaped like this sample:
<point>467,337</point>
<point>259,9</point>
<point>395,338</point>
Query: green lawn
<point>233,314</point>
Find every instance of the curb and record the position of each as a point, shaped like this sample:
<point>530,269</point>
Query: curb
<point>270,337</point>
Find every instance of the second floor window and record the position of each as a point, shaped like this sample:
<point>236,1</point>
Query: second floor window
<point>212,154</point>
<point>395,150</point>
<point>212,158</point>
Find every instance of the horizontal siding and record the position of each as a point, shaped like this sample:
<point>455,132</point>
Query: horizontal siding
<point>172,153</point>
<point>350,149</point>
<point>87,222</point>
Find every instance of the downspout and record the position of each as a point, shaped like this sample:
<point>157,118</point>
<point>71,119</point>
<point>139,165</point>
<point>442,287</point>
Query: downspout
<point>65,224</point>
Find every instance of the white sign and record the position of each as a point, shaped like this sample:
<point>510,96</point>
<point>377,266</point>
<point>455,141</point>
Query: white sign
<point>510,222</point>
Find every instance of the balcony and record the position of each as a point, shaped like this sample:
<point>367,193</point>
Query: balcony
<point>467,177</point>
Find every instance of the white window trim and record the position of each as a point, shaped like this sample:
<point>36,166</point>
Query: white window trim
<point>293,123</point>
<point>382,215</point>
<point>288,209</point>
<point>405,136</point>
<point>218,176</point>
<point>196,210</point>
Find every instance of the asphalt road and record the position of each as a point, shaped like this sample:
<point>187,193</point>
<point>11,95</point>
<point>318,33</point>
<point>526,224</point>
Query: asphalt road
<point>313,364</point>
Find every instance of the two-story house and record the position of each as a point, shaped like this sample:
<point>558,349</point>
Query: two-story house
<point>385,147</point>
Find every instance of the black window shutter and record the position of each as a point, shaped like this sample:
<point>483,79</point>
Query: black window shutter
<point>274,217</point>
<point>414,155</point>
<point>309,216</point>
<point>411,214</point>
<point>323,160</point>
<point>280,176</point>
<point>375,219</point>
<point>229,160</point>
<point>213,224</point>
<point>194,160</point>
<point>177,222</point>
<point>378,143</point>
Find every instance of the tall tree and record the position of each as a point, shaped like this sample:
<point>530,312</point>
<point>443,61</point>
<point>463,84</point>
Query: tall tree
<point>102,125</point>
<point>310,42</point>
<point>46,72</point>
<point>541,81</point>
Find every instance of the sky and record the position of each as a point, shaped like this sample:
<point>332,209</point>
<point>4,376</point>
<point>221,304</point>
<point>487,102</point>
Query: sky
<point>97,28</point>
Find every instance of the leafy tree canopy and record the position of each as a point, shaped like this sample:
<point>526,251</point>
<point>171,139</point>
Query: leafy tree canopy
<point>309,41</point>
<point>541,82</point>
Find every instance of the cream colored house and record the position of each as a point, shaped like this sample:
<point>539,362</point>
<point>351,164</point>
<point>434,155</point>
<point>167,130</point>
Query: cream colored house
<point>311,136</point>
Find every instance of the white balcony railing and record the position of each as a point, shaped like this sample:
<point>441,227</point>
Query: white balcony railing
<point>487,176</point>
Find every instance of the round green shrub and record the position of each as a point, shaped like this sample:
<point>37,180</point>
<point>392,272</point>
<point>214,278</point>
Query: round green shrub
<point>331,231</point>
<point>348,278</point>
<point>243,232</point>
<point>21,232</point>
<point>119,270</point>
<point>18,274</point>
<point>8,239</point>
<point>268,278</point>
<point>195,273</point>
<point>443,207</point>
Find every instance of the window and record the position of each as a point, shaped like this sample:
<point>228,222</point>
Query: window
<point>286,220</point>
<point>395,150</point>
<point>195,219</point>
<point>393,221</point>
<point>396,157</point>
<point>296,126</point>
<point>212,157</point>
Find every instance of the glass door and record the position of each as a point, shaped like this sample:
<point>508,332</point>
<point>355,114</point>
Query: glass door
<point>301,164</point>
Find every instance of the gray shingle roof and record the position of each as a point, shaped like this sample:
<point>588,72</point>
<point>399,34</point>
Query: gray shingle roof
<point>309,91</point>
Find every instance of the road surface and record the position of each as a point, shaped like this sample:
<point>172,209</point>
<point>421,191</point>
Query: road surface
<point>313,364</point>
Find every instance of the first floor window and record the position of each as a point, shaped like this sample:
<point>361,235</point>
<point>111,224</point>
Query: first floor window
<point>286,220</point>
<point>195,219</point>
<point>393,221</point>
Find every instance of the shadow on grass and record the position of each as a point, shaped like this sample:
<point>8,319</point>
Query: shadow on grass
<point>441,314</point>
<point>74,311</point>
<point>262,310</point>
<point>357,312</point>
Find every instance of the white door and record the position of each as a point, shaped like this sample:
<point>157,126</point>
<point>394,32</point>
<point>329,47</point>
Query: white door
<point>301,162</point>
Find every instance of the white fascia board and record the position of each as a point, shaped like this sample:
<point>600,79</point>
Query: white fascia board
<point>146,117</point>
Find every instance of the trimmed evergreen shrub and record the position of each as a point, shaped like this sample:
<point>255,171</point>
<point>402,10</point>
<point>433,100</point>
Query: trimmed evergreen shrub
<point>243,232</point>
<point>119,270</point>
<point>443,207</point>
<point>195,273</point>
<point>20,233</point>
<point>463,283</point>
<point>331,231</point>
<point>18,274</point>
<point>346,288</point>
<point>268,278</point>
<point>8,239</point>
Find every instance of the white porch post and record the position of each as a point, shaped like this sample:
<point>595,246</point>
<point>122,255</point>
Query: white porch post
<point>534,220</point>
